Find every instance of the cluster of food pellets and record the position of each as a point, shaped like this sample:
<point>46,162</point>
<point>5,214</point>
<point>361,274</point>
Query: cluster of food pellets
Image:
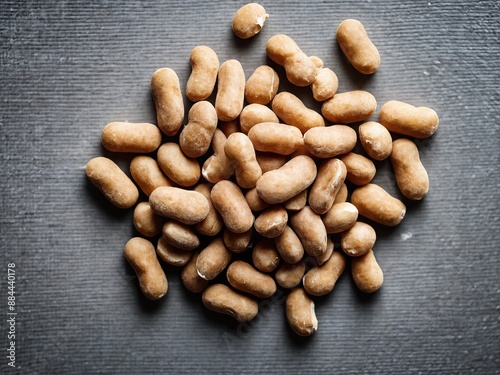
<point>247,198</point>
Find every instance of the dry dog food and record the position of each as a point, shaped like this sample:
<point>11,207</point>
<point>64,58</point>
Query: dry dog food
<point>248,197</point>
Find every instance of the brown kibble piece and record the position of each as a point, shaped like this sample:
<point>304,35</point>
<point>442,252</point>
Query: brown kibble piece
<point>222,299</point>
<point>349,107</point>
<point>366,273</point>
<point>360,169</point>
<point>141,255</point>
<point>411,176</point>
<point>374,203</point>
<point>321,280</point>
<point>146,222</point>
<point>188,207</point>
<point>229,201</point>
<point>358,239</point>
<point>331,176</point>
<point>168,100</point>
<point>230,90</point>
<point>249,20</point>
<point>113,183</point>
<point>213,259</point>
<point>403,118</point>
<point>262,85</point>
<point>131,137</point>
<point>147,174</point>
<point>357,46</point>
<point>300,313</point>
<point>265,257</point>
<point>292,111</point>
<point>283,50</point>
<point>271,222</point>
<point>290,275</point>
<point>178,167</point>
<point>279,185</point>
<point>244,277</point>
<point>172,255</point>
<point>205,66</point>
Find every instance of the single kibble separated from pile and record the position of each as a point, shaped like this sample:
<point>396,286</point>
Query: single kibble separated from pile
<point>251,193</point>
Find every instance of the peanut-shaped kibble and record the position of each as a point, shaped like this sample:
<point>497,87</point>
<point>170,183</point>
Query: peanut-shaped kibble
<point>325,84</point>
<point>178,167</point>
<point>289,246</point>
<point>403,118</point>
<point>222,299</point>
<point>269,161</point>
<point>213,259</point>
<point>358,239</point>
<point>131,137</point>
<point>262,85</point>
<point>255,202</point>
<point>277,138</point>
<point>230,90</point>
<point>265,257</point>
<point>168,100</point>
<point>411,176</point>
<point>290,275</point>
<point>188,207</point>
<point>147,174</point>
<point>271,222</point>
<point>244,277</point>
<point>292,111</point>
<point>331,176</point>
<point>237,242</point>
<point>249,20</point>
<point>340,217</point>
<point>300,313</point>
<point>189,276</point>
<point>310,229</point>
<point>115,185</point>
<point>327,142</point>
<point>146,222</point>
<point>357,46</point>
<point>360,169</point>
<point>141,255</point>
<point>297,202</point>
<point>196,137</point>
<point>283,50</point>
<point>374,203</point>
<point>180,235</point>
<point>320,280</point>
<point>213,223</point>
<point>229,201</point>
<point>348,107</point>
<point>172,255</point>
<point>217,167</point>
<point>375,139</point>
<point>281,184</point>
<point>240,151</point>
<point>366,272</point>
<point>204,65</point>
<point>254,114</point>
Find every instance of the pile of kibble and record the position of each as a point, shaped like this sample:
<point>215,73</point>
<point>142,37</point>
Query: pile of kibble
<point>266,179</point>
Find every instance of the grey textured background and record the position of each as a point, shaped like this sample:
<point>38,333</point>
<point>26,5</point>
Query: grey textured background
<point>69,67</point>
